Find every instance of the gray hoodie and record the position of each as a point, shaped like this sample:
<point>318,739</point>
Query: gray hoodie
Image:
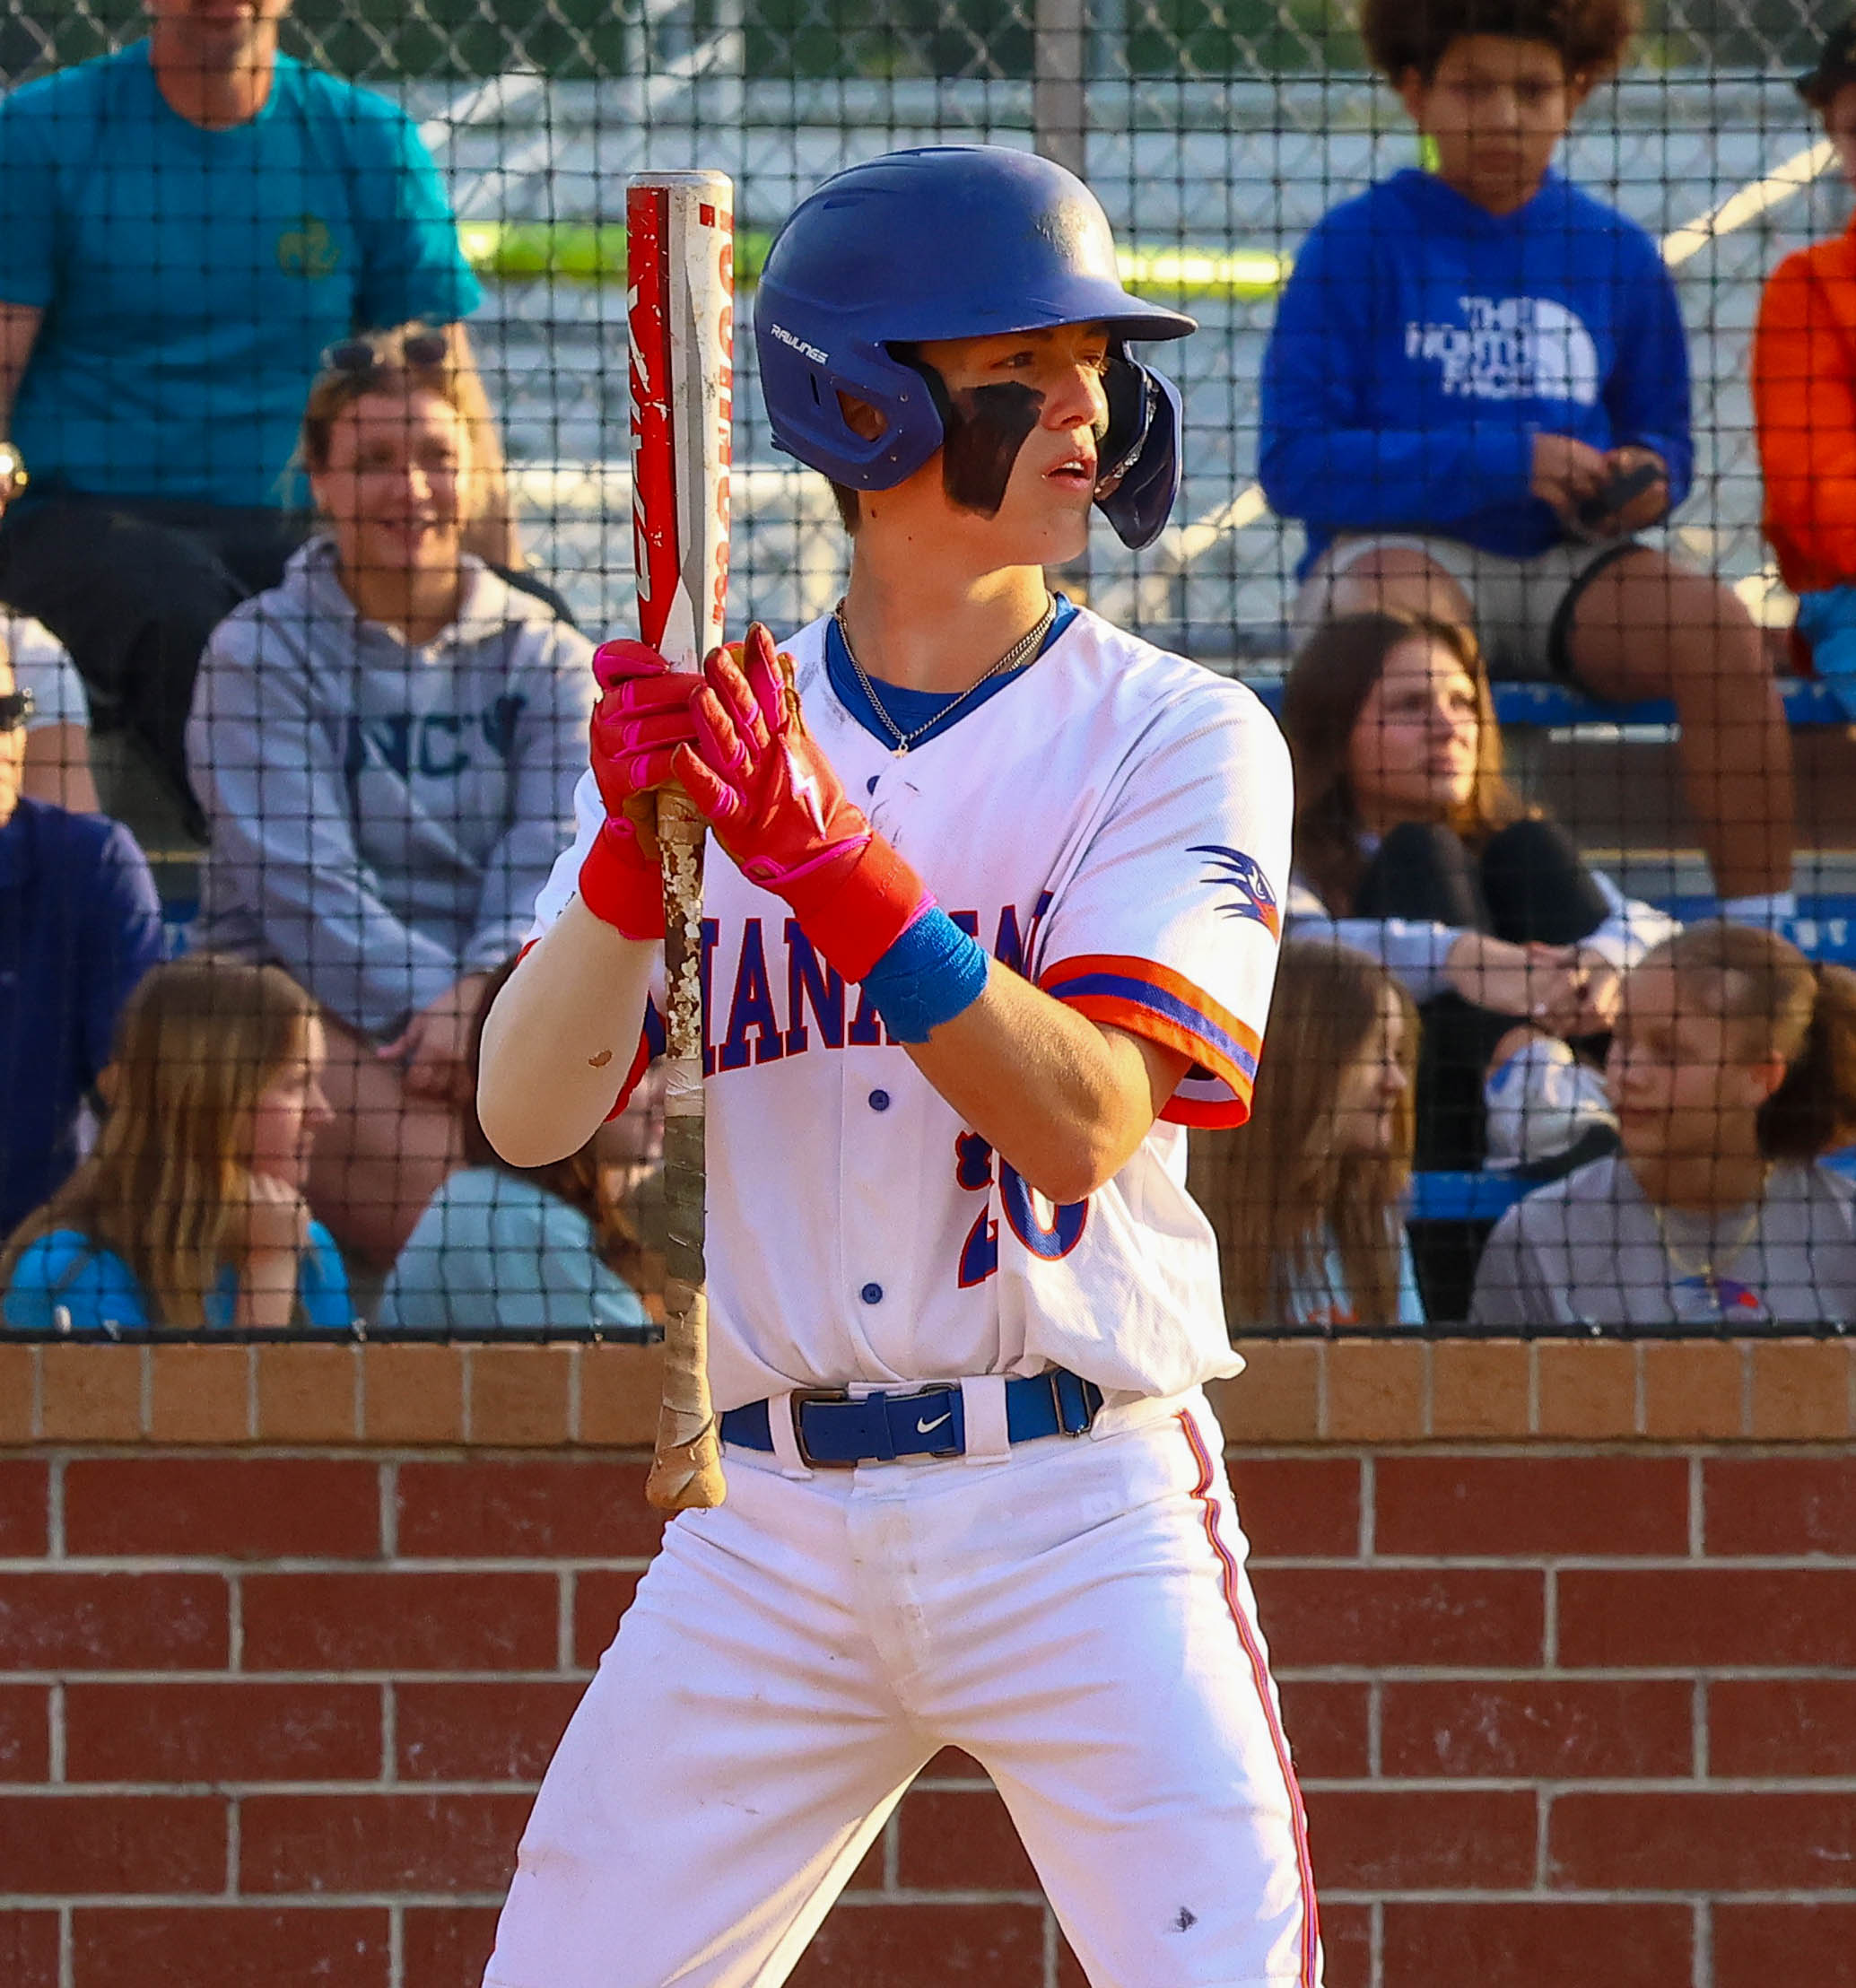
<point>382,817</point>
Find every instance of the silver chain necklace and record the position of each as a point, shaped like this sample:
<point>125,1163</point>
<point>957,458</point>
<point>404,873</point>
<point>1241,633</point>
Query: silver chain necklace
<point>1027,645</point>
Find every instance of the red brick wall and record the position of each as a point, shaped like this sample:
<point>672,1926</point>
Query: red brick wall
<point>1567,1715</point>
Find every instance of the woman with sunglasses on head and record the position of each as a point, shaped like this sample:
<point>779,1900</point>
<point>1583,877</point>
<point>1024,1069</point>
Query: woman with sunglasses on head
<point>386,746</point>
<point>1410,845</point>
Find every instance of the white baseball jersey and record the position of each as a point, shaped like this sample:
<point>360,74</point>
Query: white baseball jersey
<point>1115,824</point>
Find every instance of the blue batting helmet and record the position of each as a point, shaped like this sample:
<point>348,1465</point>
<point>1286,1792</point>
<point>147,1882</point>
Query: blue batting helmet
<point>951,241</point>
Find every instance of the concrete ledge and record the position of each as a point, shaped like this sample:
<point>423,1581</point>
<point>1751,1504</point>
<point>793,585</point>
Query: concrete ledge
<point>605,1397</point>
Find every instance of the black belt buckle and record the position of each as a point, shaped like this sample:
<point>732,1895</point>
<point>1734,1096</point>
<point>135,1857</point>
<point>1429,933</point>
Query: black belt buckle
<point>800,1397</point>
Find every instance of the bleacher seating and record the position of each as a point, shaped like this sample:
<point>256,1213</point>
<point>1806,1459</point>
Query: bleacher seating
<point>1542,707</point>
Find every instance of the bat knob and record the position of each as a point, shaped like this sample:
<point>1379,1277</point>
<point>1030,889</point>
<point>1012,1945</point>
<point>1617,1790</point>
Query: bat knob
<point>687,1477</point>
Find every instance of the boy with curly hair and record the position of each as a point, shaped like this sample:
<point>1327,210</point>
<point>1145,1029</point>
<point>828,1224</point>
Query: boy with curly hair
<point>1475,394</point>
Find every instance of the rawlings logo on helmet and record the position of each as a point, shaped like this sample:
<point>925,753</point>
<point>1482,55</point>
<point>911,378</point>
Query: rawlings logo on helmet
<point>799,345</point>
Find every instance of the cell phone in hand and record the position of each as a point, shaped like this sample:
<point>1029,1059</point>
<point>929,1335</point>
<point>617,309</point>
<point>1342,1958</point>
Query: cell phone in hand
<point>1623,489</point>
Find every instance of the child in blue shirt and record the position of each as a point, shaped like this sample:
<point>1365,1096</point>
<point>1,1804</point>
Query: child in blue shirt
<point>190,1211</point>
<point>1476,394</point>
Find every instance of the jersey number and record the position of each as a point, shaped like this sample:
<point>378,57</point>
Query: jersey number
<point>973,1163</point>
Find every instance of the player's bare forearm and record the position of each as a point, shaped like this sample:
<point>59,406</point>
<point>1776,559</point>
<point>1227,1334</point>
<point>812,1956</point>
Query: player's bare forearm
<point>1065,1101</point>
<point>560,1037</point>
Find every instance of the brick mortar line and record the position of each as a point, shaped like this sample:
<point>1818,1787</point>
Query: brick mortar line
<point>1367,1674</point>
<point>71,1674</point>
<point>232,1565</point>
<point>1509,1895</point>
<point>475,1900</point>
<point>1312,1450</point>
<point>389,1735</point>
<point>388,1486</point>
<point>159,1450</point>
<point>238,1789</point>
<point>471,1901</point>
<point>1469,1673</point>
<point>1507,1449</point>
<point>1798,1787</point>
<point>54,1511</point>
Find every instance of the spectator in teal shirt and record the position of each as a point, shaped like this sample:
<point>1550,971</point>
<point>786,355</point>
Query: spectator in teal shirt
<point>185,227</point>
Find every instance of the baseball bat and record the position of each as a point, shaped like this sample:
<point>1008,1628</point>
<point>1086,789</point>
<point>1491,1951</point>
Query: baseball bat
<point>680,308</point>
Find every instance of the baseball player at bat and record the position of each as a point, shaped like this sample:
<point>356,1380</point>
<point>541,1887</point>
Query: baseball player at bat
<point>990,916</point>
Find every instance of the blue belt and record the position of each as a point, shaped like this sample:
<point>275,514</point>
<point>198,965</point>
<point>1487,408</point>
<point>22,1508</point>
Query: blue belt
<point>836,1432</point>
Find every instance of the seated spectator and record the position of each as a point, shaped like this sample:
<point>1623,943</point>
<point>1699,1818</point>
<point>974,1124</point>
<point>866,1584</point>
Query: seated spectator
<point>1804,401</point>
<point>79,924</point>
<point>57,764</point>
<point>1732,1068</point>
<point>190,1212</point>
<point>184,226</point>
<point>1306,1199</point>
<point>1410,845</point>
<point>387,746</point>
<point>1476,394</point>
<point>556,1245</point>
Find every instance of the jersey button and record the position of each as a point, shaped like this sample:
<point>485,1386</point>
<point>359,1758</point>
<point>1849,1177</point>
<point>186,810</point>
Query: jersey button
<point>879,1101</point>
<point>871,1294</point>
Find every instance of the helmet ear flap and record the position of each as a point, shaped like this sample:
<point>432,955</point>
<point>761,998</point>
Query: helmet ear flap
<point>1140,452</point>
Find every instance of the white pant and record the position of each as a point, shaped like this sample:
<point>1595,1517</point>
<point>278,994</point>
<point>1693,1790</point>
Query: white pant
<point>1075,1615</point>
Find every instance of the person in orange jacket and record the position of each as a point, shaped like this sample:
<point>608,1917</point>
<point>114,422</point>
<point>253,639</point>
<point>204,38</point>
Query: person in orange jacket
<point>1804,401</point>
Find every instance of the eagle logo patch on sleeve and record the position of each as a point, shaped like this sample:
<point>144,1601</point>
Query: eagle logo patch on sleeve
<point>1252,895</point>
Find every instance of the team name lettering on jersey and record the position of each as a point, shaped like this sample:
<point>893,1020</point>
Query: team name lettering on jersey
<point>783,997</point>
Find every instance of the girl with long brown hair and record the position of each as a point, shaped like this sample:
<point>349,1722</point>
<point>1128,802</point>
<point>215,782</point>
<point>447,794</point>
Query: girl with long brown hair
<point>1411,846</point>
<point>190,1211</point>
<point>1306,1199</point>
<point>1732,1069</point>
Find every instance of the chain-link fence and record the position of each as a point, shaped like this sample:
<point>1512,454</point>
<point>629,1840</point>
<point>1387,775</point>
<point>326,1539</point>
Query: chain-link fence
<point>1217,135</point>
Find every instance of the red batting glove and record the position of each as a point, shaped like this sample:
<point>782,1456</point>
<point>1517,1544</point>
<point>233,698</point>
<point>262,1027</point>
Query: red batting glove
<point>778,810</point>
<point>641,719</point>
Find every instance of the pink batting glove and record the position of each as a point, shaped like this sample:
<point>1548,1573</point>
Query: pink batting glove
<point>780,812</point>
<point>641,719</point>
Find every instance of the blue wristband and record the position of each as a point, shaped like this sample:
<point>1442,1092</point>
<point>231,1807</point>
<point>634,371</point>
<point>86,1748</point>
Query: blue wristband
<point>932,973</point>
